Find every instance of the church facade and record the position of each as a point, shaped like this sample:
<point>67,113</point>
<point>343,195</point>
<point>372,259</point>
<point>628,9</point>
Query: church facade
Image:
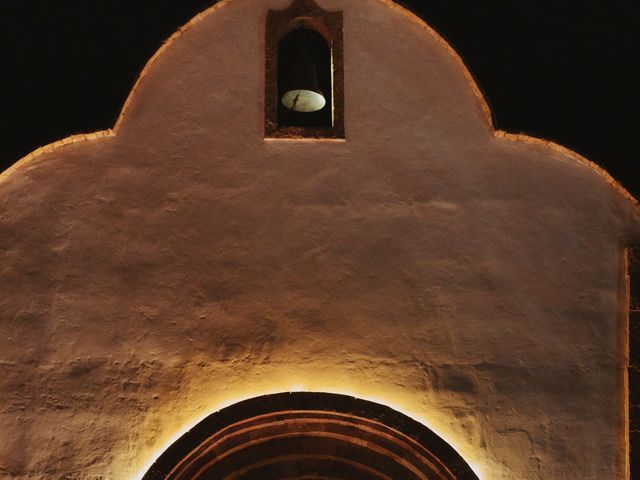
<point>219,288</point>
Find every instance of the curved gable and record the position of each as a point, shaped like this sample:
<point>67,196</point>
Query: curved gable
<point>180,261</point>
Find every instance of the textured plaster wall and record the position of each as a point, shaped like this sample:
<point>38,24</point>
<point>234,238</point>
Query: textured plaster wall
<point>156,274</point>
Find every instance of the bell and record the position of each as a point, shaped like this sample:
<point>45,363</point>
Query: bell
<point>303,94</point>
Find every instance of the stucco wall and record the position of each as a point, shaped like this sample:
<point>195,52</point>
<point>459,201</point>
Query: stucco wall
<point>153,275</point>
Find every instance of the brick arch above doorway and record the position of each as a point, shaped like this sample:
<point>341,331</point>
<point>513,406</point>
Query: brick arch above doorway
<point>304,435</point>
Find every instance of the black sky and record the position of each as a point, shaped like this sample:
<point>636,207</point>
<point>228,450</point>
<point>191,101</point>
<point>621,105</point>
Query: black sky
<point>567,70</point>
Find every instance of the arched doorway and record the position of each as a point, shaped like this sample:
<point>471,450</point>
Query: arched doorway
<point>304,436</point>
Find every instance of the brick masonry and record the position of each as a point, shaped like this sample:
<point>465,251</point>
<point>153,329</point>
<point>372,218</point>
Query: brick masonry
<point>634,362</point>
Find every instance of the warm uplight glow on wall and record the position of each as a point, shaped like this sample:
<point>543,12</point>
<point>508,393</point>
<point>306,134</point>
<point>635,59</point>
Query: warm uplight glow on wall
<point>191,265</point>
<point>398,400</point>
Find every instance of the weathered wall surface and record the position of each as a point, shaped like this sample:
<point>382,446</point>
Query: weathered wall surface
<point>150,277</point>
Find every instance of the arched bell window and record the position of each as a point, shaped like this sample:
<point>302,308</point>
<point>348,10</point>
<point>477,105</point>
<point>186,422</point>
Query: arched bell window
<point>305,89</point>
<point>304,86</point>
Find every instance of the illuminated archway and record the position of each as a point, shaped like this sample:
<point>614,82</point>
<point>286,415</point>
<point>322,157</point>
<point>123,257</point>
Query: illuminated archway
<point>304,436</point>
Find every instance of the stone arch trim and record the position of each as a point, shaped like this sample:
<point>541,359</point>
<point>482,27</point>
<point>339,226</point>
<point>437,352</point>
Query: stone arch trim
<point>306,435</point>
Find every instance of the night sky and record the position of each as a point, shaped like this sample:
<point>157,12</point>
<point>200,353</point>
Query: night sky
<point>567,70</point>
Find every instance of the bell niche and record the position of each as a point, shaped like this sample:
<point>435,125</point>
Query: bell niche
<point>304,80</point>
<point>304,86</point>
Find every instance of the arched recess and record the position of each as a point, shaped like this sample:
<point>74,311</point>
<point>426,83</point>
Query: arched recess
<point>293,49</point>
<point>285,30</point>
<point>304,436</point>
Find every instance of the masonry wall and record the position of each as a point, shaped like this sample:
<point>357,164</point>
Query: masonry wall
<point>153,274</point>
